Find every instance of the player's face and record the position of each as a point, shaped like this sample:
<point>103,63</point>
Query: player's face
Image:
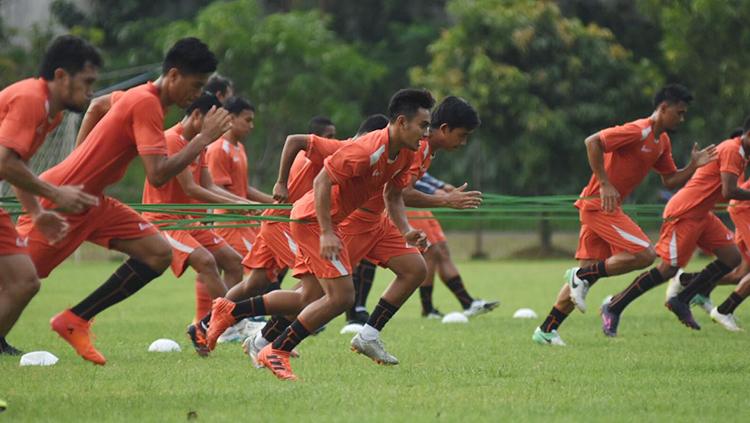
<point>222,97</point>
<point>454,138</point>
<point>414,129</point>
<point>185,88</point>
<point>79,88</point>
<point>674,114</point>
<point>329,132</point>
<point>243,124</point>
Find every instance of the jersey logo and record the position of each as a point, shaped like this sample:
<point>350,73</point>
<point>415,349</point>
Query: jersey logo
<point>22,242</point>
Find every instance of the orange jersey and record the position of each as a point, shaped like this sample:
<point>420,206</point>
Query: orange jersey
<point>114,96</point>
<point>133,126</point>
<point>703,190</point>
<point>359,170</point>
<point>741,204</point>
<point>227,164</point>
<point>24,116</point>
<point>172,192</point>
<point>630,151</point>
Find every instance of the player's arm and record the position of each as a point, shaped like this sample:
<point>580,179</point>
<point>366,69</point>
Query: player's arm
<point>292,145</point>
<point>394,203</point>
<point>53,226</point>
<point>258,196</point>
<point>66,197</point>
<point>208,183</point>
<point>330,245</point>
<point>162,168</point>
<point>198,192</point>
<point>730,190</point>
<point>698,158</point>
<point>96,111</point>
<point>458,198</point>
<point>595,153</point>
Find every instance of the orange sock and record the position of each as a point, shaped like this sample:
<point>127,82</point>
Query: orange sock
<point>202,301</point>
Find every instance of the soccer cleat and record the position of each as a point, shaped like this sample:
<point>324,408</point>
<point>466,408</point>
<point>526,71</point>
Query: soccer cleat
<point>251,348</point>
<point>232,334</point>
<point>221,320</point>
<point>478,307</point>
<point>77,332</point>
<point>727,320</point>
<point>547,338</point>
<point>610,320</point>
<point>578,288</point>
<point>7,349</point>
<point>682,311</point>
<point>277,361</point>
<point>674,287</point>
<point>433,314</point>
<point>703,302</point>
<point>198,338</point>
<point>373,349</point>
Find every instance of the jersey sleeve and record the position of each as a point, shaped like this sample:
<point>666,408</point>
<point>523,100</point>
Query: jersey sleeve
<point>349,161</point>
<point>665,163</point>
<point>148,128</point>
<point>620,136</point>
<point>318,148</point>
<point>219,165</point>
<point>731,161</point>
<point>18,128</point>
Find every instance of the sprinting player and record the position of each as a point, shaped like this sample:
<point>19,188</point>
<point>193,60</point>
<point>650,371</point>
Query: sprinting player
<point>689,222</point>
<point>29,110</point>
<point>377,163</point>
<point>220,86</point>
<point>322,127</point>
<point>202,249</point>
<point>132,127</point>
<point>610,243</point>
<point>437,257</point>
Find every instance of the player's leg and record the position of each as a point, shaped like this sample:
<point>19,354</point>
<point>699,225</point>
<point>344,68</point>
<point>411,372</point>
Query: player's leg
<point>724,313</point>
<point>229,263</point>
<point>18,285</point>
<point>450,275</point>
<point>425,289</point>
<point>362,278</point>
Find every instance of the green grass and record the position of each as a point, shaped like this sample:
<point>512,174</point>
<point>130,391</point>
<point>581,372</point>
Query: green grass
<point>488,370</point>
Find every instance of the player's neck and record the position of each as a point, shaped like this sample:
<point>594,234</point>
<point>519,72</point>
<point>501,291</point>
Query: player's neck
<point>745,142</point>
<point>54,99</point>
<point>656,123</point>
<point>163,97</point>
<point>231,138</point>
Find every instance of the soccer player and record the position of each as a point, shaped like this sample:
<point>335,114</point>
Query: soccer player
<point>29,110</point>
<point>132,127</point>
<point>377,163</point>
<point>220,86</point>
<point>610,243</point>
<point>689,222</point>
<point>322,127</point>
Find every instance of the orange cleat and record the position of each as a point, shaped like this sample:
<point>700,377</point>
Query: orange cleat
<point>277,361</point>
<point>198,338</point>
<point>221,319</point>
<point>77,332</point>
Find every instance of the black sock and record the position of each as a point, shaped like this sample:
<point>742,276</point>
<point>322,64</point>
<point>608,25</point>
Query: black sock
<point>362,278</point>
<point>706,292</point>
<point>456,285</point>
<point>249,308</point>
<point>686,278</point>
<point>126,281</point>
<point>291,337</point>
<point>425,294</point>
<point>593,272</point>
<point>553,320</point>
<point>382,314</point>
<point>274,328</point>
<point>710,274</point>
<point>731,303</point>
<point>281,275</point>
<point>640,285</point>
<point>273,286</point>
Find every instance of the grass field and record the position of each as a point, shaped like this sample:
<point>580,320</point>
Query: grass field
<point>488,370</point>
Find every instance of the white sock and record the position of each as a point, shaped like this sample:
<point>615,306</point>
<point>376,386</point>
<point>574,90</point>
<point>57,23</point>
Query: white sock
<point>369,333</point>
<point>360,308</point>
<point>260,341</point>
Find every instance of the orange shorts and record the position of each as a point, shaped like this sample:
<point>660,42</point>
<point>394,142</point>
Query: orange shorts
<point>679,238</point>
<point>186,241</point>
<point>425,221</point>
<point>308,259</point>
<point>10,242</point>
<point>741,219</point>
<point>101,224</point>
<point>241,239</point>
<point>274,249</point>
<point>378,242</point>
<point>606,234</point>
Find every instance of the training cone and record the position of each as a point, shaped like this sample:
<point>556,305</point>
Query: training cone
<point>164,345</point>
<point>38,358</point>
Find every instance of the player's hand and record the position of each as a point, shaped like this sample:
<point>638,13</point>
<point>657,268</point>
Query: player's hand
<point>459,198</point>
<point>448,188</point>
<point>330,246</point>
<point>280,192</point>
<point>416,238</point>
<point>72,199</point>
<point>610,197</point>
<point>53,226</point>
<point>703,157</point>
<point>217,121</point>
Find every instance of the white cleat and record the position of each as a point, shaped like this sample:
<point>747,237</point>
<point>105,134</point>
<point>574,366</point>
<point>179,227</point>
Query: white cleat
<point>674,287</point>
<point>547,338</point>
<point>579,288</point>
<point>727,320</point>
<point>703,302</point>
<point>232,334</point>
<point>373,349</point>
<point>478,307</point>
<point>252,346</point>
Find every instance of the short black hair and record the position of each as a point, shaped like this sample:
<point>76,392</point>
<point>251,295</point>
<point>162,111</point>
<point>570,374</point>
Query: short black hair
<point>318,125</point>
<point>190,56</point>
<point>235,105</point>
<point>204,103</point>
<point>372,123</point>
<point>673,94</point>
<point>456,113</point>
<point>70,53</point>
<point>407,101</point>
<point>218,84</point>
<point>737,132</point>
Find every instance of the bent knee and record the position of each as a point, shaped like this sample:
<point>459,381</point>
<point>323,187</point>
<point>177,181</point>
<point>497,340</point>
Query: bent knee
<point>644,258</point>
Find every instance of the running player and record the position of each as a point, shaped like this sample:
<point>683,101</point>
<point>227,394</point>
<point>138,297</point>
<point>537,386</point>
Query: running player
<point>322,127</point>
<point>29,110</point>
<point>132,127</point>
<point>610,243</point>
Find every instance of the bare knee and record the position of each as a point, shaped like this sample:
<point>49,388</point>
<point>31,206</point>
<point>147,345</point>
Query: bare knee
<point>644,258</point>
<point>160,257</point>
<point>203,262</point>
<point>29,286</point>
